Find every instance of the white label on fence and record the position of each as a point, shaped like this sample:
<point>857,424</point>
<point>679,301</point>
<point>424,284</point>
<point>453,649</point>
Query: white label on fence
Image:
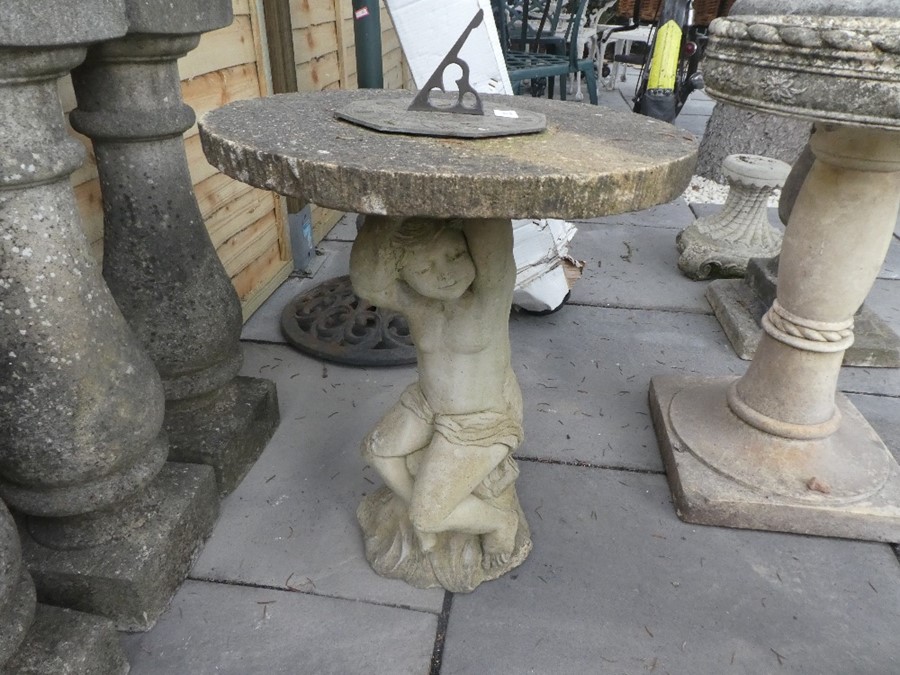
<point>361,13</point>
<point>507,113</point>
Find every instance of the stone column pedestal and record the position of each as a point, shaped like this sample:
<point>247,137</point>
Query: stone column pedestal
<point>780,448</point>
<point>159,261</point>
<point>722,244</point>
<point>107,527</point>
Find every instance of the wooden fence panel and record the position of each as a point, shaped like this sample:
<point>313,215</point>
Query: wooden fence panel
<point>325,58</point>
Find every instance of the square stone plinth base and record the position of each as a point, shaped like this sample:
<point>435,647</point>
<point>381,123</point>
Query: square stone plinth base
<point>739,311</point>
<point>226,431</point>
<point>131,580</point>
<point>705,496</point>
<point>66,641</point>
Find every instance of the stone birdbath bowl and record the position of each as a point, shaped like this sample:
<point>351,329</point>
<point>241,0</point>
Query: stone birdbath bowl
<point>437,246</point>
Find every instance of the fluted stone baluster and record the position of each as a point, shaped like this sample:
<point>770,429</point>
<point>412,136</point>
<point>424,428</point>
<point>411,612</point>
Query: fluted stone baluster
<point>159,261</point>
<point>39,639</point>
<point>110,528</point>
<point>780,448</point>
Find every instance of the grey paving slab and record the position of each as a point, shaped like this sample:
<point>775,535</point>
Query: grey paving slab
<point>698,103</point>
<point>695,124</point>
<point>344,230</point>
<point>585,373</point>
<point>265,324</point>
<point>232,630</point>
<point>629,266</point>
<point>883,413</point>
<point>617,584</point>
<point>884,298</point>
<point>614,99</point>
<point>292,523</point>
<point>702,210</point>
<point>675,215</point>
<point>891,267</point>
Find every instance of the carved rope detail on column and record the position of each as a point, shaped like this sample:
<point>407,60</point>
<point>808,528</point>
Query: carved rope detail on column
<point>806,334</point>
<point>833,33</point>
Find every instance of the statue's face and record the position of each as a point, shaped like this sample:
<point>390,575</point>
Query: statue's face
<point>441,269</point>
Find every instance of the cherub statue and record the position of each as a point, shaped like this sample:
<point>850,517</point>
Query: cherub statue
<point>450,516</point>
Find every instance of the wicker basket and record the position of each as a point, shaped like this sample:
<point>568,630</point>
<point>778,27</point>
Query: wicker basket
<point>704,10</point>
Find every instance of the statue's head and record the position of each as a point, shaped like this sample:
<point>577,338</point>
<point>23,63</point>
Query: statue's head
<point>434,258</point>
<point>429,255</point>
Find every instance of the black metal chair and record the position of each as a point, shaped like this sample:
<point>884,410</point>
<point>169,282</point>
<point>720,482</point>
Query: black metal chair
<point>523,64</point>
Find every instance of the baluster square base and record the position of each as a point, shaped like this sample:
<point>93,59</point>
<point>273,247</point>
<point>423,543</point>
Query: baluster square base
<point>227,431</point>
<point>706,496</point>
<point>131,580</point>
<point>65,641</point>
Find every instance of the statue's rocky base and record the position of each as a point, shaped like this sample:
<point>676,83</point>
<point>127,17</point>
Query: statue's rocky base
<point>226,430</point>
<point>456,562</point>
<point>66,641</point>
<point>132,579</point>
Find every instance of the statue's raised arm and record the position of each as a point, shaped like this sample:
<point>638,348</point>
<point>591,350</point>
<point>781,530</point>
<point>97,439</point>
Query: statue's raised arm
<point>490,243</point>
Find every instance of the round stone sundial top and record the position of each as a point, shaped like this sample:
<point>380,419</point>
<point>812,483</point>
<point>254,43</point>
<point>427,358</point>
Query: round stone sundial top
<point>589,161</point>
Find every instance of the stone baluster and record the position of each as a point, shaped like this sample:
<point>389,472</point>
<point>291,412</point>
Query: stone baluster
<point>780,448</point>
<point>159,261</point>
<point>110,528</point>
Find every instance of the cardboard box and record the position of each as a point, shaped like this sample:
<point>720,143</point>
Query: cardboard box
<point>428,29</point>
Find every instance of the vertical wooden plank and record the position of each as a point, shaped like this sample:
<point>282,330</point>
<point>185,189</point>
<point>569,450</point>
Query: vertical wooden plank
<point>265,85</point>
<point>281,59</point>
<point>344,40</point>
<point>281,46</point>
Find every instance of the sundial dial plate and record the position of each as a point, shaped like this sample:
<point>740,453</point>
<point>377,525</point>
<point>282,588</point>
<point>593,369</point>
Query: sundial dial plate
<point>394,116</point>
<point>468,116</point>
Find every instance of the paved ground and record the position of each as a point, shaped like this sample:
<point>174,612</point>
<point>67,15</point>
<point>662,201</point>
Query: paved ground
<point>616,582</point>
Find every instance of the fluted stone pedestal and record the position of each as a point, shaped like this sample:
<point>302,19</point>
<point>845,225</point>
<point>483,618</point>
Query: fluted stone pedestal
<point>159,261</point>
<point>82,449</point>
<point>779,448</point>
<point>721,245</point>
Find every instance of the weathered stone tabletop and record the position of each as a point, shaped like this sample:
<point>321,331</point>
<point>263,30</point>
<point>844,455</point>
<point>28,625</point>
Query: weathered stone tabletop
<point>437,246</point>
<point>588,163</point>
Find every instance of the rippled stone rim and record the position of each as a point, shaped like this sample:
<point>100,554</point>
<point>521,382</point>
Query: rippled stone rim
<point>879,37</point>
<point>844,70</point>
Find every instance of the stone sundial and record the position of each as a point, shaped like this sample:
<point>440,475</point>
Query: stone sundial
<point>468,116</point>
<point>437,248</point>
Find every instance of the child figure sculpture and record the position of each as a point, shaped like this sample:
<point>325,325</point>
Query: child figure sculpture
<point>449,515</point>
